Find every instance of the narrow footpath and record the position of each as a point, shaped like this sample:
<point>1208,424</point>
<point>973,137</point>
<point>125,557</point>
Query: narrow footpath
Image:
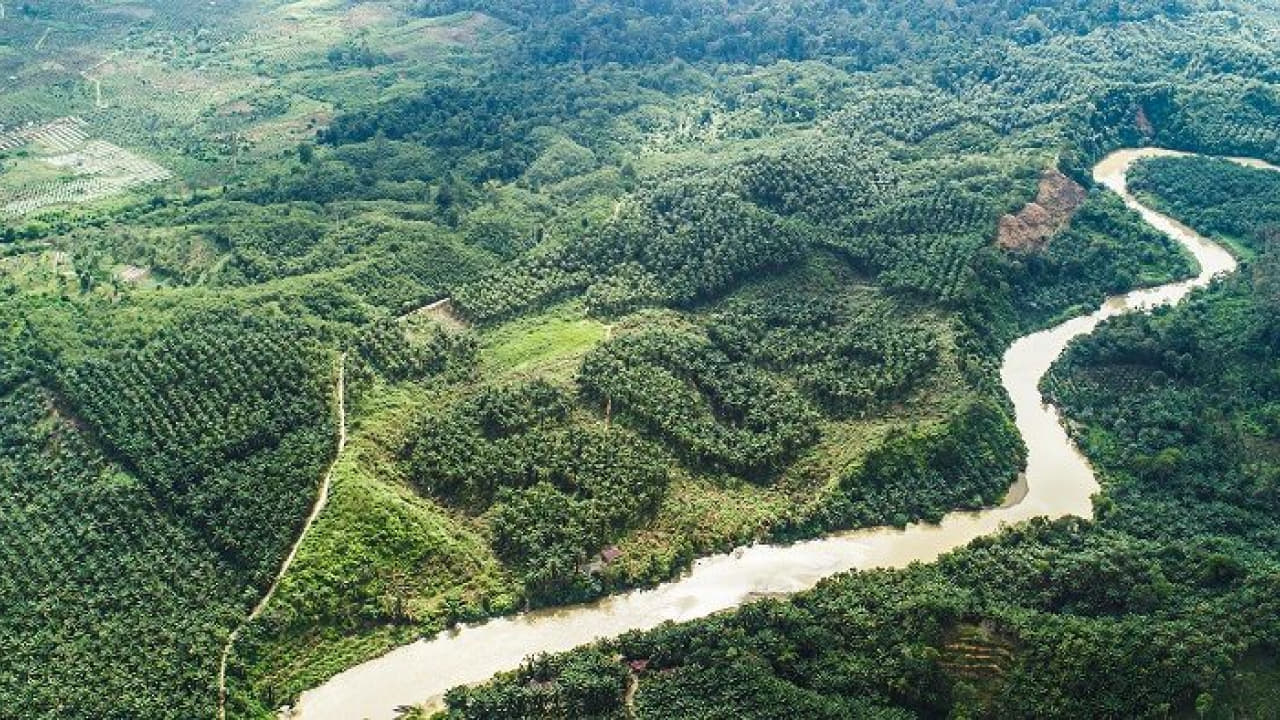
<point>322,497</point>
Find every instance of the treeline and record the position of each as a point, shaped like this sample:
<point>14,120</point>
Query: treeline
<point>895,184</point>
<point>588,162</point>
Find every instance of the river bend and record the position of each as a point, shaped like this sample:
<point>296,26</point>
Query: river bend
<point>1058,482</point>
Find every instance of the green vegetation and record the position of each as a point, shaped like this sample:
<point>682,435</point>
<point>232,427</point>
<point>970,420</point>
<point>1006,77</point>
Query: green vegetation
<point>87,554</point>
<point>659,278</point>
<point>847,359</point>
<point>149,494</point>
<point>726,416</point>
<point>969,463</point>
<point>547,345</point>
<point>1102,253</point>
<point>1165,605</point>
<point>556,493</point>
<point>380,566</point>
<point>1216,197</point>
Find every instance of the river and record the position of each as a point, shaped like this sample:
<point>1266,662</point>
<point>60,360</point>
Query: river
<point>1058,482</point>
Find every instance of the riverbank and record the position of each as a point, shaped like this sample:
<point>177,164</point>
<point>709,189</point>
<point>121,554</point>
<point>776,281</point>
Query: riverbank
<point>1059,483</point>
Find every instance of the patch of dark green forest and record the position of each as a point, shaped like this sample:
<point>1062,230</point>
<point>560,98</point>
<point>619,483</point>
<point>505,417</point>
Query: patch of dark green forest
<point>1217,197</point>
<point>128,544</point>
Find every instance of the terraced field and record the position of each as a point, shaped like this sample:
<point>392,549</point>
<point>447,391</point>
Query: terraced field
<point>86,170</point>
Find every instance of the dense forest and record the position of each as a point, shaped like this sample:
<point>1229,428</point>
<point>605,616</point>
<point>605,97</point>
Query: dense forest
<point>1219,198</point>
<point>617,285</point>
<point>123,556</point>
<point>1164,605</point>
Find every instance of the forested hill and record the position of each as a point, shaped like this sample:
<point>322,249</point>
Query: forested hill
<point>1216,197</point>
<point>1164,606</point>
<point>1012,57</point>
<point>619,284</point>
<point>858,35</point>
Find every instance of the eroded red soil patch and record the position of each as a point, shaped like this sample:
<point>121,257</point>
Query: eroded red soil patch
<point>1031,228</point>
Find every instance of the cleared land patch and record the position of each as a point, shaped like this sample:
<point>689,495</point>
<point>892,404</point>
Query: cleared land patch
<point>1057,200</point>
<point>85,169</point>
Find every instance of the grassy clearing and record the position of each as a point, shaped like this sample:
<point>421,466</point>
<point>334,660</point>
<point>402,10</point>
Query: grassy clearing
<point>41,272</point>
<point>549,345</point>
<point>20,170</point>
